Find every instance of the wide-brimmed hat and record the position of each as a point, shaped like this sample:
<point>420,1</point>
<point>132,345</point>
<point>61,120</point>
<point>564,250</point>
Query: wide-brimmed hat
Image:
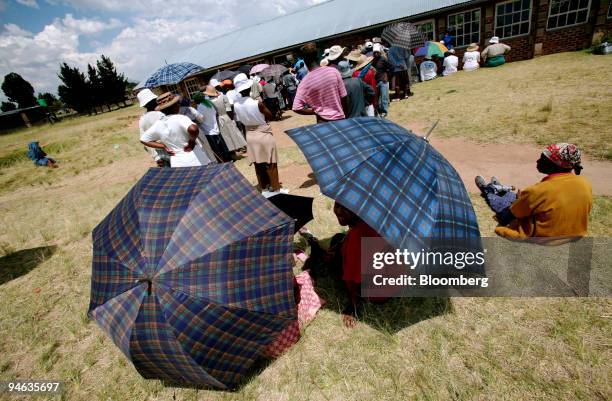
<point>335,52</point>
<point>472,47</point>
<point>166,100</point>
<point>345,69</point>
<point>210,90</point>
<point>377,48</point>
<point>494,40</point>
<point>145,96</point>
<point>354,55</point>
<point>214,83</point>
<point>242,82</point>
<point>369,45</point>
<point>363,61</point>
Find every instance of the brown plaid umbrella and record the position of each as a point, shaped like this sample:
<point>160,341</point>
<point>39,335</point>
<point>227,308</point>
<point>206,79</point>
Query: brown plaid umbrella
<point>404,34</point>
<point>275,70</point>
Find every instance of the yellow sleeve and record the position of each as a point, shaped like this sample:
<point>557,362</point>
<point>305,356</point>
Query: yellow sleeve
<point>524,205</point>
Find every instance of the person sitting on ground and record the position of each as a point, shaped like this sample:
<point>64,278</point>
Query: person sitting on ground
<point>451,62</point>
<point>471,58</point>
<point>558,206</point>
<point>359,93</point>
<point>494,54</point>
<point>176,134</point>
<point>428,69</point>
<point>148,100</point>
<point>39,157</point>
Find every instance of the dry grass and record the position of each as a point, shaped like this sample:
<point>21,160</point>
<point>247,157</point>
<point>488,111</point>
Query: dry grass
<point>425,349</point>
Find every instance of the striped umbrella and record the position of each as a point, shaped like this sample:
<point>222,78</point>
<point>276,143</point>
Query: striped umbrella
<point>393,180</point>
<point>192,275</point>
<point>258,68</point>
<point>431,49</point>
<point>403,34</point>
<point>274,70</point>
<point>171,74</point>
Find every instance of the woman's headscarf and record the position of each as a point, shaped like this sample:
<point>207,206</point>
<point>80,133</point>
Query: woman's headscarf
<point>564,155</point>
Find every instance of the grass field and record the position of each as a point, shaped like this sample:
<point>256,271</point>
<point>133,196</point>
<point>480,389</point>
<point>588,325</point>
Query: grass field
<point>425,349</point>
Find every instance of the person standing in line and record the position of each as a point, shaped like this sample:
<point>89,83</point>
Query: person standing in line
<point>384,69</point>
<point>290,84</point>
<point>365,72</point>
<point>232,137</point>
<point>206,117</point>
<point>148,100</point>
<point>359,93</point>
<point>270,97</point>
<point>399,57</point>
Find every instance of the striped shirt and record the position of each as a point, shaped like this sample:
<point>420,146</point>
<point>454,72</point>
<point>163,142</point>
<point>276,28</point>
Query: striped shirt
<point>322,90</point>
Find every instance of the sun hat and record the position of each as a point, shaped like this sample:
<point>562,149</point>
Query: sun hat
<point>345,69</point>
<point>145,96</point>
<point>377,48</point>
<point>242,82</point>
<point>472,47</point>
<point>564,155</point>
<point>227,82</point>
<point>369,45</point>
<point>494,40</point>
<point>451,51</point>
<point>362,61</point>
<point>166,100</point>
<point>214,83</point>
<point>335,52</point>
<point>210,91</point>
<point>354,55</point>
<point>325,52</point>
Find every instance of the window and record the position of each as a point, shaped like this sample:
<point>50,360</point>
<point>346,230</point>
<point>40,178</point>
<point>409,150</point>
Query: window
<point>610,10</point>
<point>512,18</point>
<point>193,86</point>
<point>562,13</point>
<point>465,27</point>
<point>428,28</point>
<point>282,58</point>
<point>174,89</point>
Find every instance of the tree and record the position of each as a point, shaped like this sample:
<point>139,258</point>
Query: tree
<point>74,91</point>
<point>49,98</point>
<point>95,87</point>
<point>113,84</point>
<point>18,90</point>
<point>8,106</point>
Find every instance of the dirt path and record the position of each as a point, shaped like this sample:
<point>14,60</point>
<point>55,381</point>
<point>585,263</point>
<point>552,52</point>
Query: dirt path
<point>513,164</point>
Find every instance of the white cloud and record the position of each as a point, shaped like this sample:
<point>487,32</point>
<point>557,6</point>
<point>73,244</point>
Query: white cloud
<point>89,26</point>
<point>28,3</point>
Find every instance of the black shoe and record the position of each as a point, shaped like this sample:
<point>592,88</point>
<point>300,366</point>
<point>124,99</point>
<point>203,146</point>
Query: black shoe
<point>480,182</point>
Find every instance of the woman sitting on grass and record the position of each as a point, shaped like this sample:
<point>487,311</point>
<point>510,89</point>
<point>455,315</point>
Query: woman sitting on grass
<point>39,157</point>
<point>558,206</point>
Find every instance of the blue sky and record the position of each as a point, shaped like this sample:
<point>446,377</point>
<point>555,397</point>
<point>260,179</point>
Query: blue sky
<point>36,36</point>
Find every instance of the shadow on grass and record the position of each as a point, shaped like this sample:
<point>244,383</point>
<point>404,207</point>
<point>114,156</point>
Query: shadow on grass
<point>310,182</point>
<point>18,263</point>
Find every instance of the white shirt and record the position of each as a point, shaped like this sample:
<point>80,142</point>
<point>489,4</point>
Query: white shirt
<point>232,95</point>
<point>429,70</point>
<point>470,61</point>
<point>146,121</point>
<point>172,132</point>
<point>450,65</point>
<point>208,124</point>
<point>247,112</point>
<point>270,90</point>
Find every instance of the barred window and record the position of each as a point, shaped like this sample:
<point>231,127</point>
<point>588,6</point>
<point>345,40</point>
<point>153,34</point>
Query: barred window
<point>428,28</point>
<point>174,89</point>
<point>512,18</point>
<point>562,13</point>
<point>193,86</point>
<point>465,27</point>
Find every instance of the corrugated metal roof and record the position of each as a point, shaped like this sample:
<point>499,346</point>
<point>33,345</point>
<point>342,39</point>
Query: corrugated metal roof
<point>319,21</point>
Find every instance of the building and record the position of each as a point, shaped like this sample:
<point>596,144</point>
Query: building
<point>530,27</point>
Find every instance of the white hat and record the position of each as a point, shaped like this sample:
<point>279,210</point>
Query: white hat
<point>145,96</point>
<point>335,52</point>
<point>326,52</point>
<point>242,82</point>
<point>369,45</point>
<point>214,83</point>
<point>494,39</point>
<point>377,48</point>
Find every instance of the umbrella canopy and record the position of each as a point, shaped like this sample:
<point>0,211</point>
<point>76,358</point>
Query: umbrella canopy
<point>430,49</point>
<point>192,275</point>
<point>171,74</point>
<point>404,34</point>
<point>275,70</point>
<point>258,68</point>
<point>246,69</point>
<point>298,208</point>
<point>393,180</point>
<point>225,74</point>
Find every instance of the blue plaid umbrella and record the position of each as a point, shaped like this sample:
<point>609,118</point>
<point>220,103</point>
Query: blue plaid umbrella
<point>393,180</point>
<point>171,74</point>
<point>192,275</point>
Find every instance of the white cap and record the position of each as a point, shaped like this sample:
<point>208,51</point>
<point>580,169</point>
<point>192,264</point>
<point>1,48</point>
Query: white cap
<point>494,40</point>
<point>377,48</point>
<point>369,44</point>
<point>242,82</point>
<point>214,83</point>
<point>145,96</point>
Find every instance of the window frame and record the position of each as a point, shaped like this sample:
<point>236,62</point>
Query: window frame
<point>479,9</point>
<point>174,88</point>
<point>433,22</point>
<point>550,4</point>
<point>514,23</point>
<point>189,92</point>
<point>283,55</point>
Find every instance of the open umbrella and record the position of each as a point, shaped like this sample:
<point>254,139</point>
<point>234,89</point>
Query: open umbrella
<point>275,70</point>
<point>245,69</point>
<point>192,275</point>
<point>430,49</point>
<point>225,74</point>
<point>258,68</point>
<point>404,34</point>
<point>393,180</point>
<point>171,74</point>
<point>298,208</point>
